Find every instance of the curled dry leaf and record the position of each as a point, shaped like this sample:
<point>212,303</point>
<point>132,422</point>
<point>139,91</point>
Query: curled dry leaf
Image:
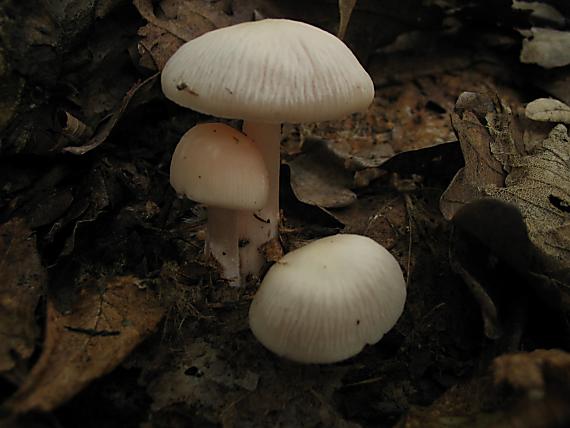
<point>548,110</point>
<point>106,322</point>
<point>481,168</point>
<point>325,172</point>
<point>531,183</point>
<point>136,93</point>
<point>22,279</point>
<point>546,47</point>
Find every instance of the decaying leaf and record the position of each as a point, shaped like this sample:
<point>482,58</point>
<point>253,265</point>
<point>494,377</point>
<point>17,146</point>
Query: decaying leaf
<point>481,168</point>
<point>546,47</point>
<point>539,185</point>
<point>201,377</point>
<point>22,279</point>
<point>548,110</point>
<point>106,322</point>
<point>173,22</point>
<point>327,169</point>
<point>504,180</point>
<point>317,181</point>
<point>108,125</point>
<point>345,8</point>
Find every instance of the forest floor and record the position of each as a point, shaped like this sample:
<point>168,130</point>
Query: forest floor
<point>109,315</point>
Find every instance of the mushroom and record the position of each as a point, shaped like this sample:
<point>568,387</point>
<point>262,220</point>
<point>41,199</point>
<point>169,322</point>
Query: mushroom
<point>218,166</point>
<point>324,302</point>
<point>267,72</point>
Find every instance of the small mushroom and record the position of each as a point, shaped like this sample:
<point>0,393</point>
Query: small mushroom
<point>220,167</point>
<point>267,72</point>
<point>324,302</point>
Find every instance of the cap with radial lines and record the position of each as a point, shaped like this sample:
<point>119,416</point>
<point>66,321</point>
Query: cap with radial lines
<point>272,71</point>
<point>323,302</point>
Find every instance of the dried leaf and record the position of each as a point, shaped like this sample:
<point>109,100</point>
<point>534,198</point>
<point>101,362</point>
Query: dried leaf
<point>199,377</point>
<point>539,185</point>
<point>536,187</point>
<point>48,207</point>
<point>22,279</point>
<point>156,46</point>
<point>174,22</point>
<point>316,181</point>
<point>345,8</point>
<point>546,47</point>
<point>108,125</point>
<point>481,168</point>
<point>248,386</point>
<point>548,110</point>
<point>105,324</point>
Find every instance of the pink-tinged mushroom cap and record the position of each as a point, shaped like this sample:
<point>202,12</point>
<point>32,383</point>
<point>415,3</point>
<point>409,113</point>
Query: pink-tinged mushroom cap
<point>219,166</point>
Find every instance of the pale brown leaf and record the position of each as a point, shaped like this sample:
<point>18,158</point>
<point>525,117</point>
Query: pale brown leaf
<point>531,179</point>
<point>548,110</point>
<point>173,22</point>
<point>106,322</point>
<point>481,167</point>
<point>539,185</point>
<point>546,47</point>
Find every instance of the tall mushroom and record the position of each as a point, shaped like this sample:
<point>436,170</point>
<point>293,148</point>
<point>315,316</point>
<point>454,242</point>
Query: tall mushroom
<point>266,73</point>
<point>218,166</point>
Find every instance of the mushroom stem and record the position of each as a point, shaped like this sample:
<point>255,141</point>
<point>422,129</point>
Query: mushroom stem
<point>222,242</point>
<point>261,226</point>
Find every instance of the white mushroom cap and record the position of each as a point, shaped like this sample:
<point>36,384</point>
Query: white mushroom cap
<point>219,166</point>
<point>324,302</point>
<point>271,71</point>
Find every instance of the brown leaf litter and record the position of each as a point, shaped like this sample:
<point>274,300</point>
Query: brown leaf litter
<point>22,283</point>
<point>109,318</point>
<point>533,177</point>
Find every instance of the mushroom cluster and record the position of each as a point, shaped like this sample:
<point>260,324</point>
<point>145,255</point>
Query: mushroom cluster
<point>266,73</point>
<point>324,302</point>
